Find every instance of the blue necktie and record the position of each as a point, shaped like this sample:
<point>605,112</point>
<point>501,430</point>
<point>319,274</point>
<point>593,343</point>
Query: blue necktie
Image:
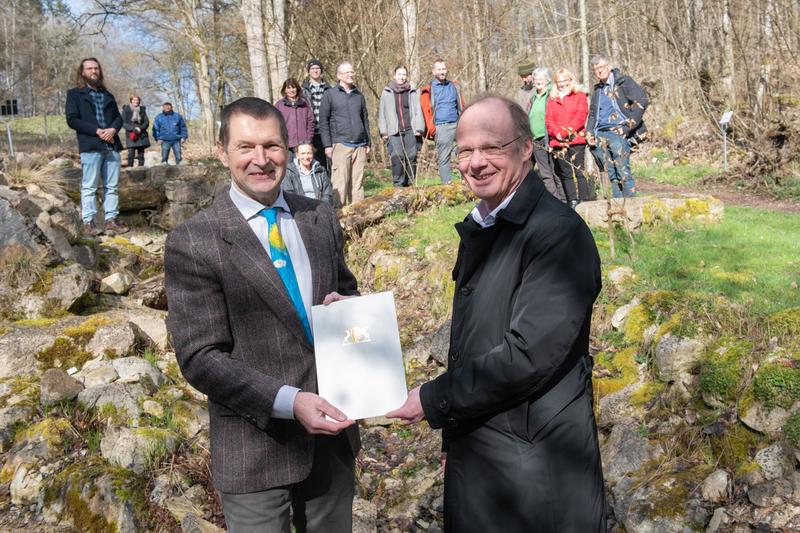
<point>283,264</point>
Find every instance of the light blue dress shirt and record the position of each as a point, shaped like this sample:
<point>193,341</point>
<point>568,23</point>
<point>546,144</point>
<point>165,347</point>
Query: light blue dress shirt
<point>283,406</point>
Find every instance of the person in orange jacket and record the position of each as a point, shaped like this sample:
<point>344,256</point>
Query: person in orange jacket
<point>442,103</point>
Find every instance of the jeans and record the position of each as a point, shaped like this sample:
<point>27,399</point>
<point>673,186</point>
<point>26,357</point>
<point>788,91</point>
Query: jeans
<point>613,152</point>
<point>403,155</point>
<point>97,165</point>
<point>445,136</point>
<point>176,150</point>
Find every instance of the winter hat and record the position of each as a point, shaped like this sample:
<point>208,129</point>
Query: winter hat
<point>317,63</point>
<point>525,69</point>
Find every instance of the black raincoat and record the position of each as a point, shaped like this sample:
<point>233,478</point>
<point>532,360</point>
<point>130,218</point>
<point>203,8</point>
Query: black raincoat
<point>516,401</point>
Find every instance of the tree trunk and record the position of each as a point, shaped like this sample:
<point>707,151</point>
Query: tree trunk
<point>728,71</point>
<point>408,11</point>
<point>253,15</point>
<point>275,14</point>
<point>584,44</point>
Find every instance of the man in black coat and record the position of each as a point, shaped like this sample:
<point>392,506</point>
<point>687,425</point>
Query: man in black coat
<point>515,404</point>
<point>93,113</point>
<point>615,123</point>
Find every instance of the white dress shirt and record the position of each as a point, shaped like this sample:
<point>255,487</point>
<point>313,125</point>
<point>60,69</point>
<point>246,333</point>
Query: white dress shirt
<point>485,219</point>
<point>283,406</point>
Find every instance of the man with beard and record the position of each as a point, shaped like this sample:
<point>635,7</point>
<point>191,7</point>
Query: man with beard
<point>515,403</point>
<point>525,92</point>
<point>93,113</point>
<point>441,103</point>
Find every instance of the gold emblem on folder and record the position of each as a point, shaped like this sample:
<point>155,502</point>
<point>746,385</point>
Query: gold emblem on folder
<point>356,335</point>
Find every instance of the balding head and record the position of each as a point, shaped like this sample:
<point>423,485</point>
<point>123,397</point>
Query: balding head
<point>346,75</point>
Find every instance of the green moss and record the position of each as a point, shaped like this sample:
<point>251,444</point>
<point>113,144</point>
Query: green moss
<point>639,319</point>
<point>691,209</point>
<point>113,414</point>
<point>734,449</point>
<point>83,519</point>
<point>791,430</point>
<point>126,245</point>
<point>64,353</point>
<point>36,322</point>
<point>672,489</point>
<point>52,308</point>
<point>83,332</point>
<point>777,385</point>
<point>27,386</point>
<point>44,283</point>
<point>786,325</point>
<point>655,210</point>
<point>173,372</point>
<point>51,430</point>
<point>624,368</point>
<point>722,368</point>
<point>646,393</point>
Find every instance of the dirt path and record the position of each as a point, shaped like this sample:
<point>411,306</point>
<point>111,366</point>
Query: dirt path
<point>726,194</point>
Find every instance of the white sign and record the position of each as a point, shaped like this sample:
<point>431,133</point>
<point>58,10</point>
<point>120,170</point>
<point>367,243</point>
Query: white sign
<point>726,118</point>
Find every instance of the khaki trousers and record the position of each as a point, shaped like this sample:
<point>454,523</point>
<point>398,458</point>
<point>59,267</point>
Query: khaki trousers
<point>347,171</point>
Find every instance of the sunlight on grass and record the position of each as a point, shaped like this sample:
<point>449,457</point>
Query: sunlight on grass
<point>436,227</point>
<point>673,174</point>
<point>752,256</point>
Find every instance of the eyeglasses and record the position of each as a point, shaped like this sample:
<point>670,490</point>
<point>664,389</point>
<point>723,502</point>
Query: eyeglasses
<point>489,152</point>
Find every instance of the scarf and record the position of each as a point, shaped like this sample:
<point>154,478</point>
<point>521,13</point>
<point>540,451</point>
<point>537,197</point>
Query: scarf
<point>136,116</point>
<point>396,88</point>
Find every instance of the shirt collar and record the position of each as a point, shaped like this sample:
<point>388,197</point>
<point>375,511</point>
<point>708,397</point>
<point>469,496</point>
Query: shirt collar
<point>437,82</point>
<point>488,219</point>
<point>249,207</point>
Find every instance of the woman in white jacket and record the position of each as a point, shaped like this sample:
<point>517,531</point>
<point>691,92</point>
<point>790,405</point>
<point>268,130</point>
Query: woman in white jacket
<point>401,124</point>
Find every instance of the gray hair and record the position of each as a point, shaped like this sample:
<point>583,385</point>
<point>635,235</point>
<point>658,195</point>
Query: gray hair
<point>543,72</point>
<point>341,66</point>
<point>600,58</point>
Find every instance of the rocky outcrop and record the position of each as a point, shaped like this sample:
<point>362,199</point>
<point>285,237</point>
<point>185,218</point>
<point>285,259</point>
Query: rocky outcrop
<point>642,211</point>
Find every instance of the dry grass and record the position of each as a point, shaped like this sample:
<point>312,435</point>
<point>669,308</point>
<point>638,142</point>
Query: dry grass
<point>19,267</point>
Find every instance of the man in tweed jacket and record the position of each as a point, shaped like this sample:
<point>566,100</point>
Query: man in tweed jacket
<point>240,340</point>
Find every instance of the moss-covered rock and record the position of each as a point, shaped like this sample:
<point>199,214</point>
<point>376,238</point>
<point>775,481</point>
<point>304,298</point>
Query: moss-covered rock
<point>777,384</point>
<point>623,367</point>
<point>83,332</point>
<point>63,354</point>
<point>791,430</point>
<point>786,326</point>
<point>722,370</point>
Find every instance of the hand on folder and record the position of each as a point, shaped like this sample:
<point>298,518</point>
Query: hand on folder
<point>311,409</point>
<point>410,412</point>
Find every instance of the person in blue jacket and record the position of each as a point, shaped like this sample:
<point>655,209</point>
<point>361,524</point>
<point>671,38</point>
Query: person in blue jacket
<point>169,130</point>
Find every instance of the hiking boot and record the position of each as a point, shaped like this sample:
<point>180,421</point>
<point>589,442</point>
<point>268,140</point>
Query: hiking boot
<point>91,229</point>
<point>115,228</point>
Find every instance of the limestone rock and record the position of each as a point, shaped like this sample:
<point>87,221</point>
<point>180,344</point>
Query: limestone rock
<point>57,386</point>
<point>643,210</point>
<point>616,407</point>
<point>192,523</point>
<point>715,486</point>
<point>114,340</point>
<point>767,421</point>
<point>153,325</point>
<point>775,461</point>
<point>131,448</point>
<point>9,416</point>
<point>619,275</point>
<point>136,369</point>
<point>675,357</point>
<point>626,451</point>
<point>619,316</point>
<point>190,418</point>
<point>124,397</point>
<point>365,516</point>
<point>97,373</point>
<point>435,346</point>
<point>151,293</point>
<point>770,493</point>
<point>632,503</point>
<point>26,485</point>
<point>117,283</point>
<point>718,520</point>
<point>18,349</point>
<point>71,288</point>
<point>153,408</point>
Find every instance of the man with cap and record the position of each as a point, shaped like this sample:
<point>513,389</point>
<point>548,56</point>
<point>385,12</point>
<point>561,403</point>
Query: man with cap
<point>525,71</point>
<point>313,89</point>
<point>170,131</point>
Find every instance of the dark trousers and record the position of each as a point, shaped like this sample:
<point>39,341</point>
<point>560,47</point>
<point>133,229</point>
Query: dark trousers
<point>321,503</point>
<point>546,168</point>
<point>139,152</point>
<point>569,169</point>
<point>319,153</point>
<point>403,149</point>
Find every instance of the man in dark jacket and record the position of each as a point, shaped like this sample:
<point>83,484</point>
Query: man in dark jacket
<point>169,129</point>
<point>515,404</point>
<point>93,113</point>
<point>615,123</point>
<point>314,86</point>
<point>344,127</point>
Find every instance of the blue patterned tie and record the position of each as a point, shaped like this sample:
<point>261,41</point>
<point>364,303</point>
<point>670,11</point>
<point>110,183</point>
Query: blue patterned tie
<point>283,264</point>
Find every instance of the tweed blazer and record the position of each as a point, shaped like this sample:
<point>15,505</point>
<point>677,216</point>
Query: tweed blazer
<point>238,339</point>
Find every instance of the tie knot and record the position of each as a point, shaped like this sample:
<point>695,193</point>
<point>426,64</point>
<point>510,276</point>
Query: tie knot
<point>270,213</point>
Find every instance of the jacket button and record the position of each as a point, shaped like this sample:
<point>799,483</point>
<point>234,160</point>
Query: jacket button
<point>466,290</point>
<point>454,355</point>
<point>442,404</point>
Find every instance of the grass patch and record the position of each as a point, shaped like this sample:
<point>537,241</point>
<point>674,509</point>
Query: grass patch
<point>661,169</point>
<point>750,257</point>
<point>436,227</point>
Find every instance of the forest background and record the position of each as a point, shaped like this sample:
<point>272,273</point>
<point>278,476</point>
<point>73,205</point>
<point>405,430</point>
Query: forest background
<point>695,58</point>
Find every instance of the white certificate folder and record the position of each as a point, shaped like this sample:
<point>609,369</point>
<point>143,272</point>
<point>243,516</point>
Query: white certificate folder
<point>359,360</point>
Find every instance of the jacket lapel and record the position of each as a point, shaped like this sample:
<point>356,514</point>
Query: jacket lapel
<point>251,260</point>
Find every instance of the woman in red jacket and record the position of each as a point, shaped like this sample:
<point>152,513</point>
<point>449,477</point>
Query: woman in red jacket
<point>566,126</point>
